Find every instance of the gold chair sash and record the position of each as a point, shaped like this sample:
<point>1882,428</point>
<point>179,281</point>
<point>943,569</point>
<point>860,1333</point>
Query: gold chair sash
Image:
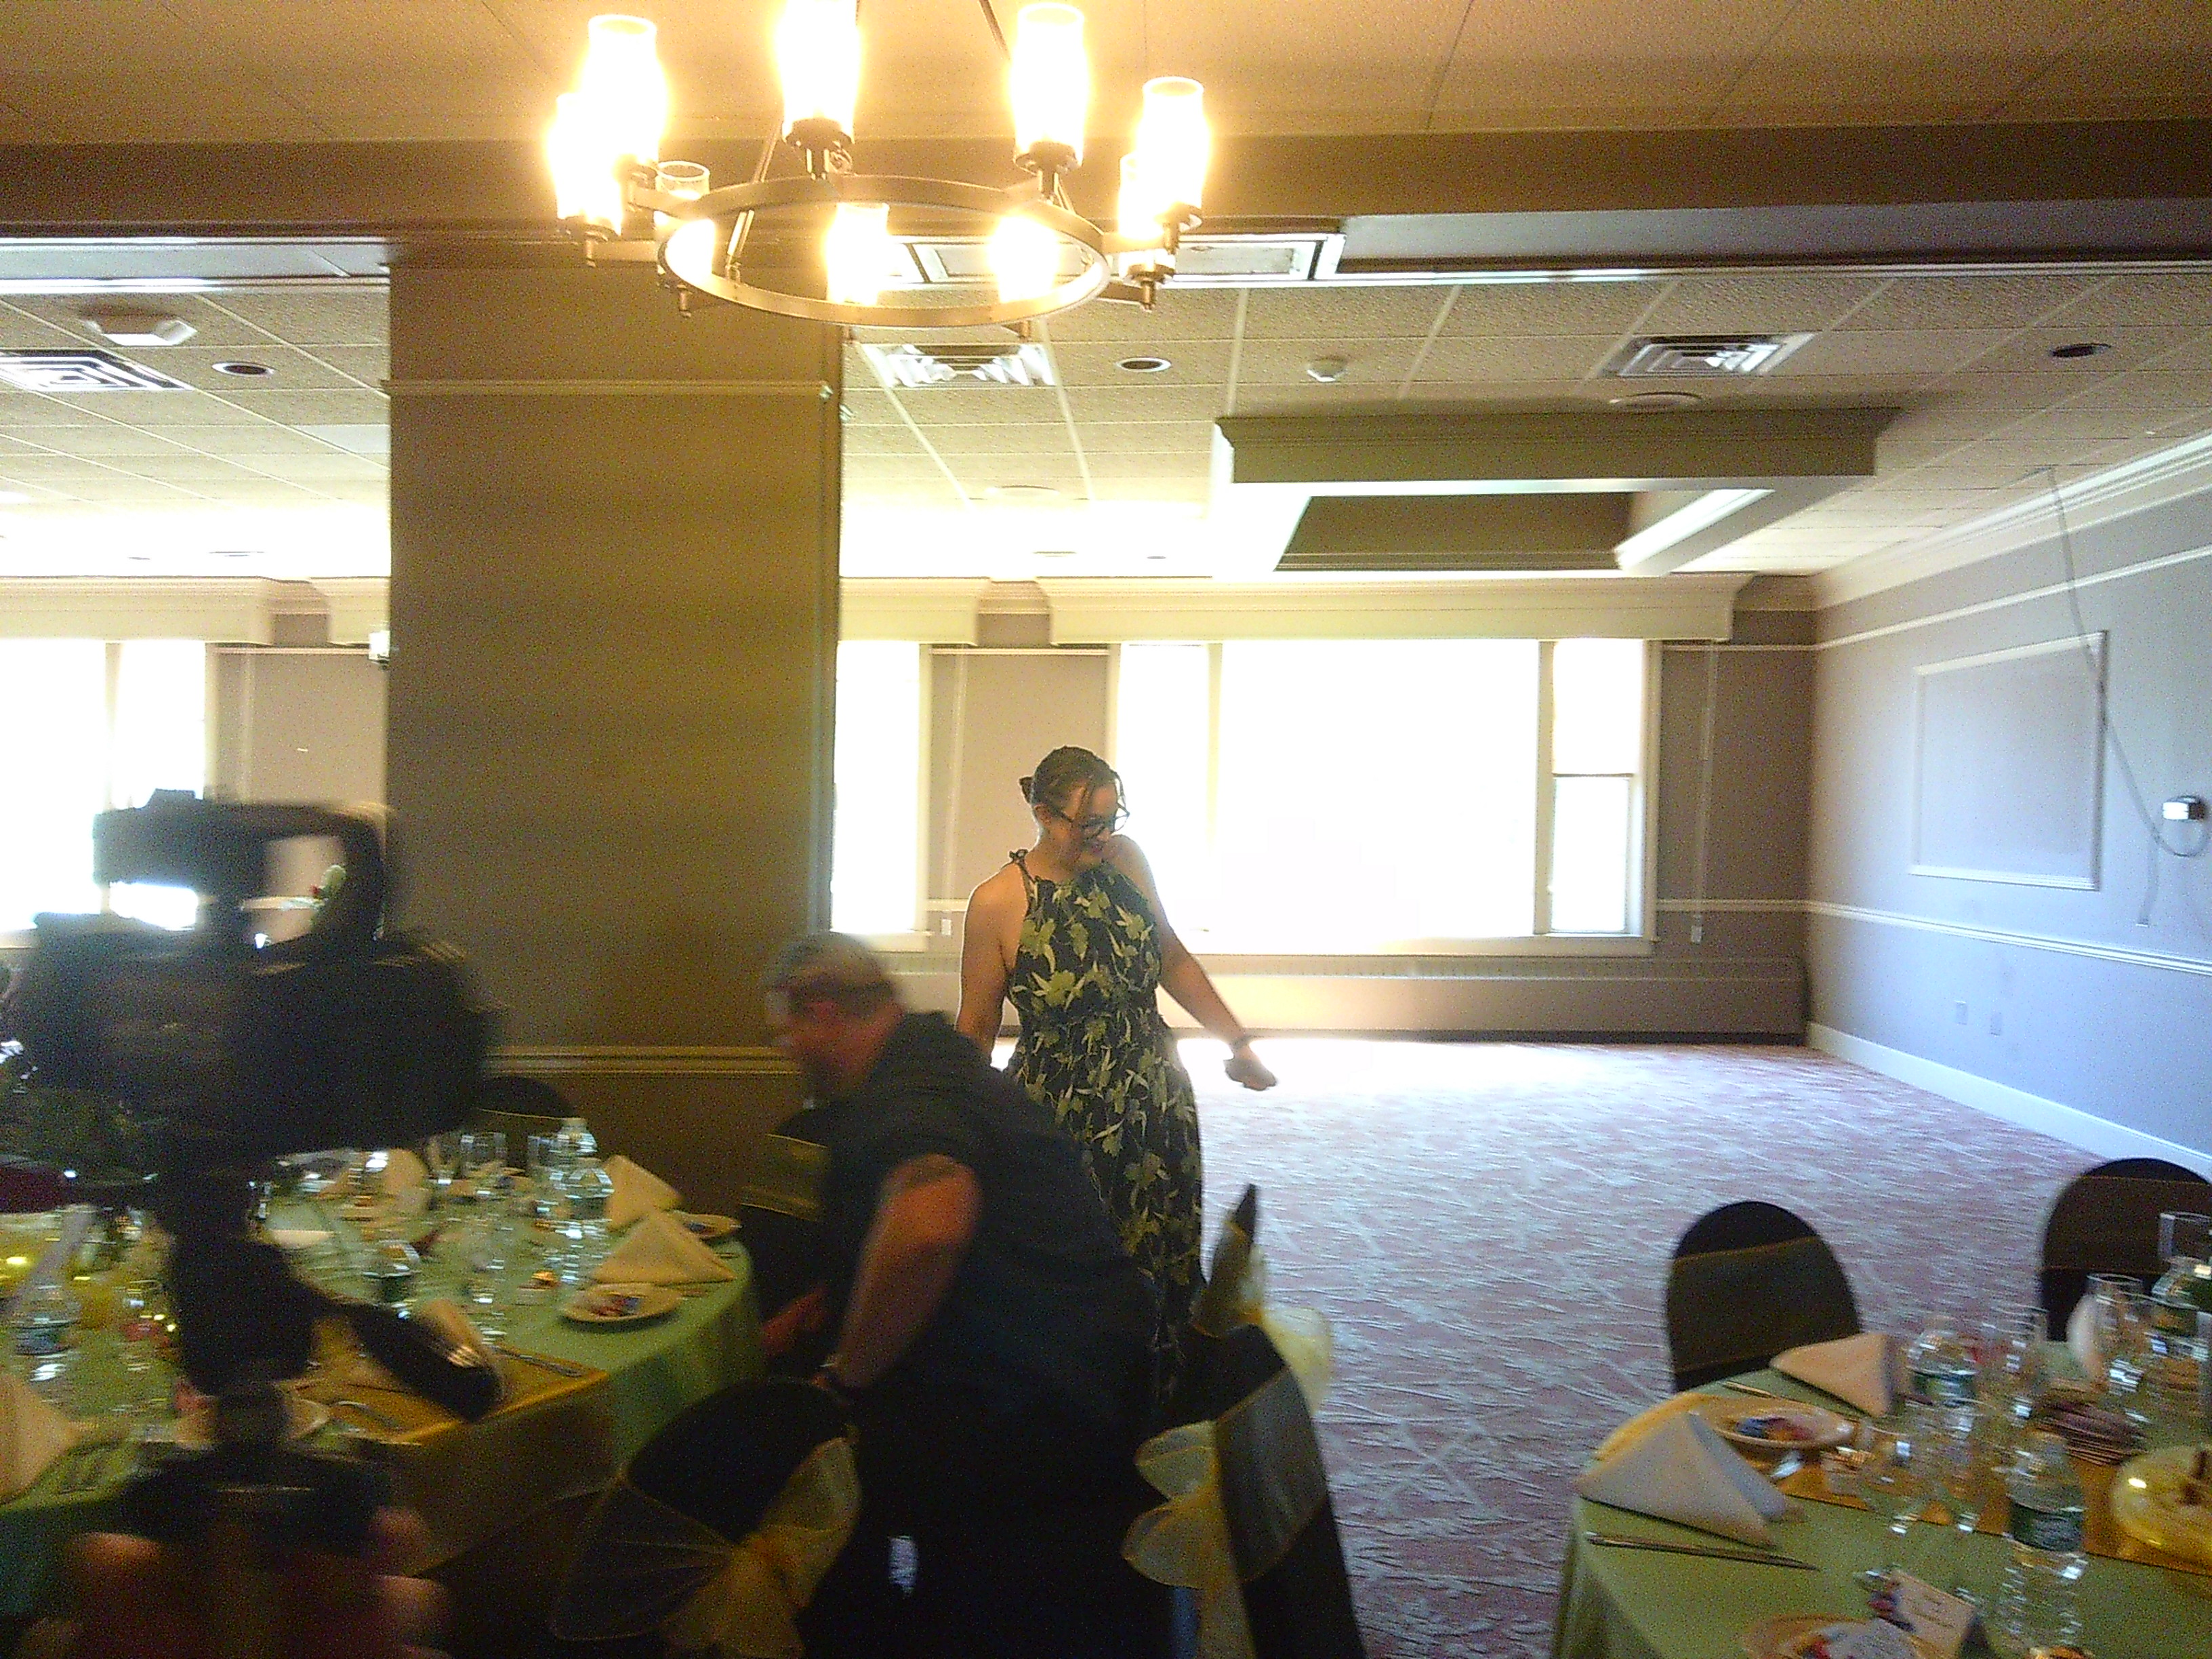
<point>787,1178</point>
<point>1236,1294</point>
<point>652,1567</point>
<point>1239,1490</point>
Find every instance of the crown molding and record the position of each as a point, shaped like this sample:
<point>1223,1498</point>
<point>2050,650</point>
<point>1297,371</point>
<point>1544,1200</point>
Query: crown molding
<point>2133,486</point>
<point>359,606</point>
<point>240,610</point>
<point>925,610</point>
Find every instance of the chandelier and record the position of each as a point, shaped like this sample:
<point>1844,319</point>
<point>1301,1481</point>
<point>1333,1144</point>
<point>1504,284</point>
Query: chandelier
<point>865,250</point>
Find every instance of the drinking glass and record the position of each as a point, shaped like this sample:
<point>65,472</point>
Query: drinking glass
<point>441,1157</point>
<point>2012,1357</point>
<point>2106,1296</point>
<point>483,1157</point>
<point>2124,1317</point>
<point>1892,1483</point>
<point>1964,1456</point>
<point>2185,1234</point>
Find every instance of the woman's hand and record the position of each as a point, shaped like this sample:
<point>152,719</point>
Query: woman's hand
<point>1243,1066</point>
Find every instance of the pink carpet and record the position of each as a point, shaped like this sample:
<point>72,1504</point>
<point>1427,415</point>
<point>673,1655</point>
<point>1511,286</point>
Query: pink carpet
<point>1487,1225</point>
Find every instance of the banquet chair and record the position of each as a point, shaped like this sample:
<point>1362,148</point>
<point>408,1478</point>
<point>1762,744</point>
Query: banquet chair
<point>1237,1391</point>
<point>1747,1281</point>
<point>2105,1221</point>
<point>518,1107</point>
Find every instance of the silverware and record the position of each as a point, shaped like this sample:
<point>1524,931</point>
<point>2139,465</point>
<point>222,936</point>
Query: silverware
<point>558,1367</point>
<point>1734,1387</point>
<point>370,1412</point>
<point>1759,1558</point>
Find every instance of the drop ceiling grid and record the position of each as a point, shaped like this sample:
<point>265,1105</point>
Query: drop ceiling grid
<point>208,445</point>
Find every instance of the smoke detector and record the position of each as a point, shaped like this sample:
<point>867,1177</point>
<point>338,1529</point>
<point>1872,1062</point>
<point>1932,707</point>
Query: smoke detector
<point>139,328</point>
<point>1328,370</point>
<point>1702,355</point>
<point>915,368</point>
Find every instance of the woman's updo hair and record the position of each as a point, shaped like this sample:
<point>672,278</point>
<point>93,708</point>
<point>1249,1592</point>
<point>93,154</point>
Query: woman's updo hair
<point>1063,772</point>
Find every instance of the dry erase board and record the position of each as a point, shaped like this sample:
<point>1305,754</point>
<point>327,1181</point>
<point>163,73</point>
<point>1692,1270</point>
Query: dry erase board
<point>2009,764</point>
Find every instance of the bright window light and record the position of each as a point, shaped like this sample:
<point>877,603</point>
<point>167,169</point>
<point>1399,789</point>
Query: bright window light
<point>1338,758</point>
<point>159,742</point>
<point>1590,842</point>
<point>1160,724</point>
<point>1597,706</point>
<point>56,775</point>
<point>875,880</point>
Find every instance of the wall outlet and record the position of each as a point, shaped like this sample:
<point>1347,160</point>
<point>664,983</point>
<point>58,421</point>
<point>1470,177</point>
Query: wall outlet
<point>2184,809</point>
<point>1958,1013</point>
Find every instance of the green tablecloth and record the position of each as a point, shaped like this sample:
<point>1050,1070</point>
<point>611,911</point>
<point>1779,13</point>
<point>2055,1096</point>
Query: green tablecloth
<point>1633,1604</point>
<point>472,1480</point>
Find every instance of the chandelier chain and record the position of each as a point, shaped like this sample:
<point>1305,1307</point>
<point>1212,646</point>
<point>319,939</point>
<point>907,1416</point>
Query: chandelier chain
<point>991,17</point>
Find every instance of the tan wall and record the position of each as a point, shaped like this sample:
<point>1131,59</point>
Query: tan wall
<point>614,610</point>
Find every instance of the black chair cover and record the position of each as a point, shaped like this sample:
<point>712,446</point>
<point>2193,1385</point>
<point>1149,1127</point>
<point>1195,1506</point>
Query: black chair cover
<point>1747,1281</point>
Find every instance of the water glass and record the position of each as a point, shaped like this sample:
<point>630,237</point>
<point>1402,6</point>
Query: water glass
<point>484,1158</point>
<point>1892,1483</point>
<point>2012,1361</point>
<point>1965,1457</point>
<point>2119,1332</point>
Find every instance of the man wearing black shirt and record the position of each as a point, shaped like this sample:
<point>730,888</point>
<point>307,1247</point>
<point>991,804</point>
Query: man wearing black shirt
<point>992,1336</point>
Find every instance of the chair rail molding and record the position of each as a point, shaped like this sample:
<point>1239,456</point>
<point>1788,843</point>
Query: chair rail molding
<point>2072,947</point>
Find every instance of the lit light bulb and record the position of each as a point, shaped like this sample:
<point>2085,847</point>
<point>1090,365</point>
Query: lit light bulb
<point>1173,146</point>
<point>1024,257</point>
<point>585,183</point>
<point>817,54</point>
<point>1049,79</point>
<point>623,80</point>
<point>858,252</point>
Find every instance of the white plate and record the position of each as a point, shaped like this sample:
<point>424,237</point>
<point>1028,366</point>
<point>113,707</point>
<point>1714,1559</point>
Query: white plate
<point>302,1418</point>
<point>652,1301</point>
<point>706,1229</point>
<point>1822,1428</point>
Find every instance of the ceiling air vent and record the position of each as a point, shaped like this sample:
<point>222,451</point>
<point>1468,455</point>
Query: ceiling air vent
<point>80,371</point>
<point>913,367</point>
<point>1702,355</point>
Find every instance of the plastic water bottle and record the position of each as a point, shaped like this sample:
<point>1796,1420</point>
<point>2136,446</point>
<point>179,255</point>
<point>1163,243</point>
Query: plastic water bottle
<point>2036,1604</point>
<point>576,1141</point>
<point>588,1189</point>
<point>1942,1365</point>
<point>42,1331</point>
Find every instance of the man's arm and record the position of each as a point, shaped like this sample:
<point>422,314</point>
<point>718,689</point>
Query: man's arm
<point>925,1218</point>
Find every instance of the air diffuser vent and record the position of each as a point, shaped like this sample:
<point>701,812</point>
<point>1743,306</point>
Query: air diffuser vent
<point>1702,355</point>
<point>80,371</point>
<point>913,367</point>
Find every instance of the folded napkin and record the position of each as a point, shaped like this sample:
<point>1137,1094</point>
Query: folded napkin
<point>1681,1470</point>
<point>638,1192</point>
<point>403,1171</point>
<point>660,1250</point>
<point>31,1435</point>
<point>1853,1368</point>
<point>1644,1421</point>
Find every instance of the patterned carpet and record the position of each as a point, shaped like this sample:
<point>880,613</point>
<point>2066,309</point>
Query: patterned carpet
<point>1486,1225</point>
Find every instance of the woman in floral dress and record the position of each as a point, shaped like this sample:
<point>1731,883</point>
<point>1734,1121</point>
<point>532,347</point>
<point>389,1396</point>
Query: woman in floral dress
<point>1072,932</point>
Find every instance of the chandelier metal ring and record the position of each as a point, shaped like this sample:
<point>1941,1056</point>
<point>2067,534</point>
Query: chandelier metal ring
<point>693,251</point>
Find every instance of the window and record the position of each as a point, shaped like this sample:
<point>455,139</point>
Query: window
<point>875,866</point>
<point>94,724</point>
<point>1350,794</point>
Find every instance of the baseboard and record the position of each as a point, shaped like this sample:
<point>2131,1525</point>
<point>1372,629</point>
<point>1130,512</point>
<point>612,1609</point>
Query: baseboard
<point>2066,1123</point>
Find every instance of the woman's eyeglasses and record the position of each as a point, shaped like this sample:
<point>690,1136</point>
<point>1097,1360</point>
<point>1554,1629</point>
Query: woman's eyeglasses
<point>1100,826</point>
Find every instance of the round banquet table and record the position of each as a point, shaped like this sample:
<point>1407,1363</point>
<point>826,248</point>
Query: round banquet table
<point>1638,1604</point>
<point>554,1438</point>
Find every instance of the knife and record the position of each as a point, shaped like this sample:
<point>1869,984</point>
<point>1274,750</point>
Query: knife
<point>558,1367</point>
<point>1761,1558</point>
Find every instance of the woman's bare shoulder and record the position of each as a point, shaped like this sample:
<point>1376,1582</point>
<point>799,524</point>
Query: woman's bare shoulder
<point>999,892</point>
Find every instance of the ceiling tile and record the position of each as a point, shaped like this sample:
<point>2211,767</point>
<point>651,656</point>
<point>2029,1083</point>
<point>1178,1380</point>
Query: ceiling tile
<point>156,409</point>
<point>315,317</point>
<point>369,366</point>
<point>1950,303</point>
<point>1123,469</point>
<point>1361,313</point>
<point>212,325</point>
<point>866,404</point>
<point>1307,398</point>
<point>952,406</point>
<point>1852,62</point>
<point>1085,362</point>
<point>1310,62</point>
<point>882,441</point>
<point>257,438</point>
<point>1548,307</point>
<point>1041,438</point>
<point>1179,314</point>
<point>163,105</point>
<point>2147,388</point>
<point>2143,60</point>
<point>1371,363</point>
<point>319,470</point>
<point>1514,357</point>
<point>1150,490</point>
<point>1755,304</point>
<point>1165,402</point>
<point>1146,437</point>
<point>314,408</point>
<point>190,470</point>
<point>2029,352</point>
<point>2145,299</point>
<point>1922,353</point>
<point>291,370</point>
<point>105,440</point>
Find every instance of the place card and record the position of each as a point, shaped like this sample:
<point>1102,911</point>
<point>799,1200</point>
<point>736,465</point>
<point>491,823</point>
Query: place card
<point>1872,1640</point>
<point>1939,1622</point>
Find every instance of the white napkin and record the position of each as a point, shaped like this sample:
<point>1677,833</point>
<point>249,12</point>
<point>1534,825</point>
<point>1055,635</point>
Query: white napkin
<point>31,1435</point>
<point>660,1250</point>
<point>1681,1470</point>
<point>1853,1368</point>
<point>403,1171</point>
<point>297,1238</point>
<point>637,1192</point>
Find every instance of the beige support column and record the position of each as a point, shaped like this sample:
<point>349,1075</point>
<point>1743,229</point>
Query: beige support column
<point>614,615</point>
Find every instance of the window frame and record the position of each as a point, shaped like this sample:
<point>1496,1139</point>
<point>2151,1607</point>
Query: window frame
<point>1639,939</point>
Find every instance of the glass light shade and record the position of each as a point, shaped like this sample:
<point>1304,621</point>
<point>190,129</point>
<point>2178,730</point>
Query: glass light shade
<point>858,252</point>
<point>817,54</point>
<point>622,78</point>
<point>1173,144</point>
<point>1049,78</point>
<point>585,183</point>
<point>1024,257</point>
<point>688,180</point>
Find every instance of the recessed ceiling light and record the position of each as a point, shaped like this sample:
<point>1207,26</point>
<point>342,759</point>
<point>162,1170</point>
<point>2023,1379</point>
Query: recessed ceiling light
<point>1328,370</point>
<point>250,371</point>
<point>2082,348</point>
<point>229,553</point>
<point>1648,400</point>
<point>1021,492</point>
<point>1144,365</point>
<point>1055,552</point>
